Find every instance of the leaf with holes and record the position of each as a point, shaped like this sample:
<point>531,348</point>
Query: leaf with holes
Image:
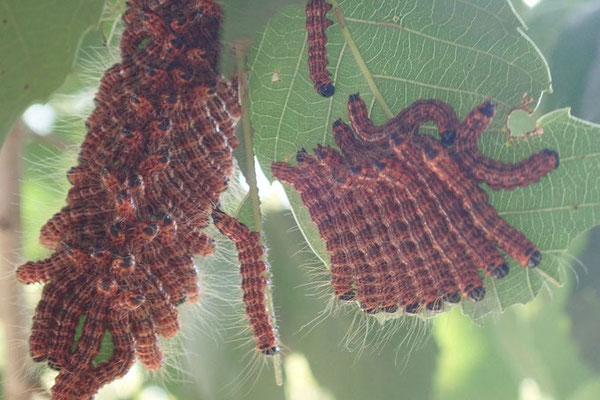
<point>459,51</point>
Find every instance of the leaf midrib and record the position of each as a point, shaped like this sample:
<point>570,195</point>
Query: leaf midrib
<point>360,62</point>
<point>549,209</point>
<point>439,40</point>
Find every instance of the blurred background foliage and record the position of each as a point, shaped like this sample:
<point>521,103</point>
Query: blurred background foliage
<point>548,349</point>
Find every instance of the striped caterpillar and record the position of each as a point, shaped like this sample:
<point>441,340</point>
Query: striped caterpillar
<point>155,159</point>
<point>403,218</point>
<point>316,25</point>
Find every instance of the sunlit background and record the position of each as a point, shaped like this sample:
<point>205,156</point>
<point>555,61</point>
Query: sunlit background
<point>548,349</point>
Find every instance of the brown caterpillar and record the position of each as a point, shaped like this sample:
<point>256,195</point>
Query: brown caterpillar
<point>155,159</point>
<point>316,25</point>
<point>255,278</point>
<point>402,215</point>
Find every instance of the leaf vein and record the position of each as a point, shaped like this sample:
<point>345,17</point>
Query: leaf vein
<point>447,42</point>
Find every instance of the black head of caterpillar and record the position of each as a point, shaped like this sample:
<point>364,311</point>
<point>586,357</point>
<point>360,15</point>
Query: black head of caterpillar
<point>155,159</point>
<point>316,25</point>
<point>404,220</point>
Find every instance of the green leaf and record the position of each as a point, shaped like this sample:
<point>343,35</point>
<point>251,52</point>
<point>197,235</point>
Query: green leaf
<point>553,212</point>
<point>106,347</point>
<point>461,52</point>
<point>38,42</point>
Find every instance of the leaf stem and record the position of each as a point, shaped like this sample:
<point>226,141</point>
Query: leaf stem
<point>546,276</point>
<point>248,144</point>
<point>360,62</point>
<point>240,53</point>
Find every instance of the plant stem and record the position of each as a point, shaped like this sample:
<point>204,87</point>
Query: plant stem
<point>360,62</point>
<point>253,191</point>
<point>548,277</point>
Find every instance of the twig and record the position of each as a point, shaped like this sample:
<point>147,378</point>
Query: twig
<point>18,382</point>
<point>251,178</point>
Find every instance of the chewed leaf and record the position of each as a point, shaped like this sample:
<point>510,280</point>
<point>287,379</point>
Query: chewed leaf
<point>38,42</point>
<point>555,211</point>
<point>461,52</point>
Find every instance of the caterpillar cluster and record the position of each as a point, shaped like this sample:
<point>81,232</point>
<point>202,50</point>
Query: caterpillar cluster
<point>402,216</point>
<point>155,159</point>
<point>404,220</point>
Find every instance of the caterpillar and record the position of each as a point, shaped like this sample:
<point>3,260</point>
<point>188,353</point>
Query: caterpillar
<point>156,156</point>
<point>495,174</point>
<point>403,218</point>
<point>255,278</point>
<point>460,137</point>
<point>316,25</point>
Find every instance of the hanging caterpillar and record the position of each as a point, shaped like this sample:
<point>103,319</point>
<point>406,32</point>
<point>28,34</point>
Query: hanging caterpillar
<point>155,159</point>
<point>316,25</point>
<point>254,281</point>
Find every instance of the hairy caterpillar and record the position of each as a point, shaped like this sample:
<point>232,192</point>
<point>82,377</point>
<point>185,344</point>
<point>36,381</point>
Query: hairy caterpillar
<point>402,216</point>
<point>316,25</point>
<point>155,159</point>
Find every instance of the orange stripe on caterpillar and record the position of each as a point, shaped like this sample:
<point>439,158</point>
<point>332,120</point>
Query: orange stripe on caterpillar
<point>407,121</point>
<point>255,280</point>
<point>497,174</point>
<point>316,25</point>
<point>155,159</point>
<point>475,200</point>
<point>405,224</point>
